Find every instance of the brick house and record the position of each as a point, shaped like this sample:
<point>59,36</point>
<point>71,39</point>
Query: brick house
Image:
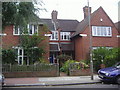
<point>118,27</point>
<point>12,40</point>
<point>69,36</point>
<point>61,30</point>
<point>104,33</point>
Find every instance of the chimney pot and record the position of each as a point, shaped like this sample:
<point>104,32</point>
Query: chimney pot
<point>54,15</point>
<point>85,10</point>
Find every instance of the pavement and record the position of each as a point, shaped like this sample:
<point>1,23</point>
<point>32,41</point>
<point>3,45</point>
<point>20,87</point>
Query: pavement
<point>50,81</point>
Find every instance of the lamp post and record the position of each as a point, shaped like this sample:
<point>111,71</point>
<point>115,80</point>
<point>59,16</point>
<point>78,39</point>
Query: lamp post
<point>90,46</point>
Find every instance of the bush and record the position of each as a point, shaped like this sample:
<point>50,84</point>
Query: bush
<point>105,56</point>
<point>8,56</point>
<point>66,65</point>
<point>63,58</point>
<point>72,64</point>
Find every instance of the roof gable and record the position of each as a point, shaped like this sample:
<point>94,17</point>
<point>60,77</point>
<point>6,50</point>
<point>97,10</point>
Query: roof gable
<point>118,26</point>
<point>99,13</point>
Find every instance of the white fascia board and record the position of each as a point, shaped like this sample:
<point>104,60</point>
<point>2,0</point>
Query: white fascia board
<point>118,36</point>
<point>48,35</point>
<point>83,35</point>
<point>3,34</point>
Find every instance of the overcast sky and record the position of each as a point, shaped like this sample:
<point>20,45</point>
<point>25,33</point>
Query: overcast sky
<point>73,9</point>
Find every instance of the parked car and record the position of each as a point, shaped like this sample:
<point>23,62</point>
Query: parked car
<point>1,79</point>
<point>111,74</point>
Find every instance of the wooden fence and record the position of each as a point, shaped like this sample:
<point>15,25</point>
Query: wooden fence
<point>30,70</point>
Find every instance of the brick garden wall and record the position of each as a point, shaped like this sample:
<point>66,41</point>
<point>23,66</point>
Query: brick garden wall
<point>53,73</point>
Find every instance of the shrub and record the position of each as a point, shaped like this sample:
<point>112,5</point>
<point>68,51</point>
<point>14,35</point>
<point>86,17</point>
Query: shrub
<point>63,58</point>
<point>8,56</point>
<point>65,67</point>
<point>105,56</point>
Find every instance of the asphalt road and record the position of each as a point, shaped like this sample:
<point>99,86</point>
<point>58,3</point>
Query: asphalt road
<point>70,87</point>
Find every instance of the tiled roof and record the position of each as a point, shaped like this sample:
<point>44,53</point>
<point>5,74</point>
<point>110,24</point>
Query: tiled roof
<point>64,24</point>
<point>64,47</point>
<point>67,25</point>
<point>67,47</point>
<point>117,25</point>
<point>54,47</point>
<point>48,22</point>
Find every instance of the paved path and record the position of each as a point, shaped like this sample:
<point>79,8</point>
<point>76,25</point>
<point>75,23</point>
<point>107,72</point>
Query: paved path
<point>51,80</point>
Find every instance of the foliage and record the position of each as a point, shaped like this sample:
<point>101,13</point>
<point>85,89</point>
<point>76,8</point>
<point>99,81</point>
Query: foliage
<point>63,58</point>
<point>30,45</point>
<point>65,67</point>
<point>8,56</point>
<point>17,13</point>
<point>85,63</point>
<point>105,56</point>
<point>72,64</point>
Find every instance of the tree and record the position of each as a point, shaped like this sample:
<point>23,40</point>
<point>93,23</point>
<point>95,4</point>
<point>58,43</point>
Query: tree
<point>105,56</point>
<point>30,45</point>
<point>18,13</point>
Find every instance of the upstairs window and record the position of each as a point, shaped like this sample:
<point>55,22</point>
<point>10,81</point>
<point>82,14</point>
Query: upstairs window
<point>32,29</point>
<point>101,31</point>
<point>65,35</point>
<point>17,30</point>
<point>54,35</point>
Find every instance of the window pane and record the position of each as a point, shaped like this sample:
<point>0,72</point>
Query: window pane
<point>30,29</point>
<point>54,35</point>
<point>35,29</point>
<point>101,31</point>
<point>65,35</point>
<point>20,61</point>
<point>20,52</point>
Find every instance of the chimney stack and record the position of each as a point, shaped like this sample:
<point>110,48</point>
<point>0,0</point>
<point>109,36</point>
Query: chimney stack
<point>54,15</point>
<point>85,10</point>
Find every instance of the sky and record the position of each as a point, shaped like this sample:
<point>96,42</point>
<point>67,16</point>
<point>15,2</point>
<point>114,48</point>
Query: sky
<point>73,9</point>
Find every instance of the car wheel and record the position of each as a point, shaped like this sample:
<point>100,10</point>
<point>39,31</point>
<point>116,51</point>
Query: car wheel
<point>118,80</point>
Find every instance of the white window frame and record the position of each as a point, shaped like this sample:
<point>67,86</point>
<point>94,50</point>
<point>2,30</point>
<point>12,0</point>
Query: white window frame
<point>22,56</point>
<point>102,31</point>
<point>18,30</point>
<point>54,35</point>
<point>63,34</point>
<point>34,31</point>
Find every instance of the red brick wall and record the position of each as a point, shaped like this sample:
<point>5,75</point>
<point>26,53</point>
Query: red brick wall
<point>44,43</point>
<point>82,43</point>
<point>10,40</point>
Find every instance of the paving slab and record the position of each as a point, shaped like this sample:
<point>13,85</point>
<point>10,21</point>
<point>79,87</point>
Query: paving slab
<point>40,81</point>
